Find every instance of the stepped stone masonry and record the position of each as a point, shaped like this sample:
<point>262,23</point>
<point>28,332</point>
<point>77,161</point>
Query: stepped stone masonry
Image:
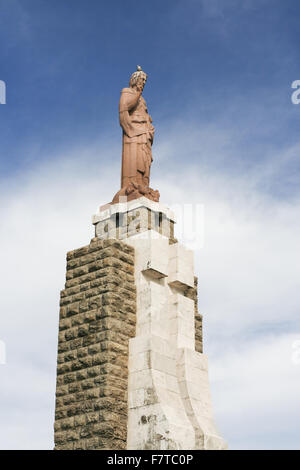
<point>97,318</point>
<point>131,373</point>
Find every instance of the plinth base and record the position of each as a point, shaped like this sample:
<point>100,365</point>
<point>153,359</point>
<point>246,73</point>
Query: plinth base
<point>128,218</point>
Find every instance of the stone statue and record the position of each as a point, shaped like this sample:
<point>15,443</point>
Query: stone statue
<point>138,134</point>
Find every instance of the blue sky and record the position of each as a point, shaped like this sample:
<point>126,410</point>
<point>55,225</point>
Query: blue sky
<point>227,136</point>
<point>64,63</point>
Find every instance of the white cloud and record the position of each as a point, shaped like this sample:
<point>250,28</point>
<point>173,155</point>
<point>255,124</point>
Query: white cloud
<point>249,283</point>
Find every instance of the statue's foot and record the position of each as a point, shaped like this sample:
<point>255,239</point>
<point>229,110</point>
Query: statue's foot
<point>134,191</point>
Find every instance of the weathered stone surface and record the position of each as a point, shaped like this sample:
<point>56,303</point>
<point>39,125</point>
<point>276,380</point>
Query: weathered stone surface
<point>97,318</point>
<point>168,388</point>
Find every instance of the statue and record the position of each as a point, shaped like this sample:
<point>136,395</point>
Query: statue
<point>138,134</point>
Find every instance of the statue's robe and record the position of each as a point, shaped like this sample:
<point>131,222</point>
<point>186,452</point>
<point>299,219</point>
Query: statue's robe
<point>138,134</point>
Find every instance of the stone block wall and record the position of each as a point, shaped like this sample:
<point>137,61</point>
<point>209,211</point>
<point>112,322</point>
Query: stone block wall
<point>97,318</point>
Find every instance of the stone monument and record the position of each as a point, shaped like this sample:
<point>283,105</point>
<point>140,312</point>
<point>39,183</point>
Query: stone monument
<point>131,371</point>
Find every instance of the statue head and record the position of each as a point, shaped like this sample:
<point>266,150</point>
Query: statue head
<point>138,78</point>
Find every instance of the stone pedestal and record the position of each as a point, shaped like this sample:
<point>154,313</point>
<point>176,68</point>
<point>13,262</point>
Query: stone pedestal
<point>131,339</point>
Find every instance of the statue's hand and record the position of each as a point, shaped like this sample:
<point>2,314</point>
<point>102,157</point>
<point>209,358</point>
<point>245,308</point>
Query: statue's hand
<point>140,85</point>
